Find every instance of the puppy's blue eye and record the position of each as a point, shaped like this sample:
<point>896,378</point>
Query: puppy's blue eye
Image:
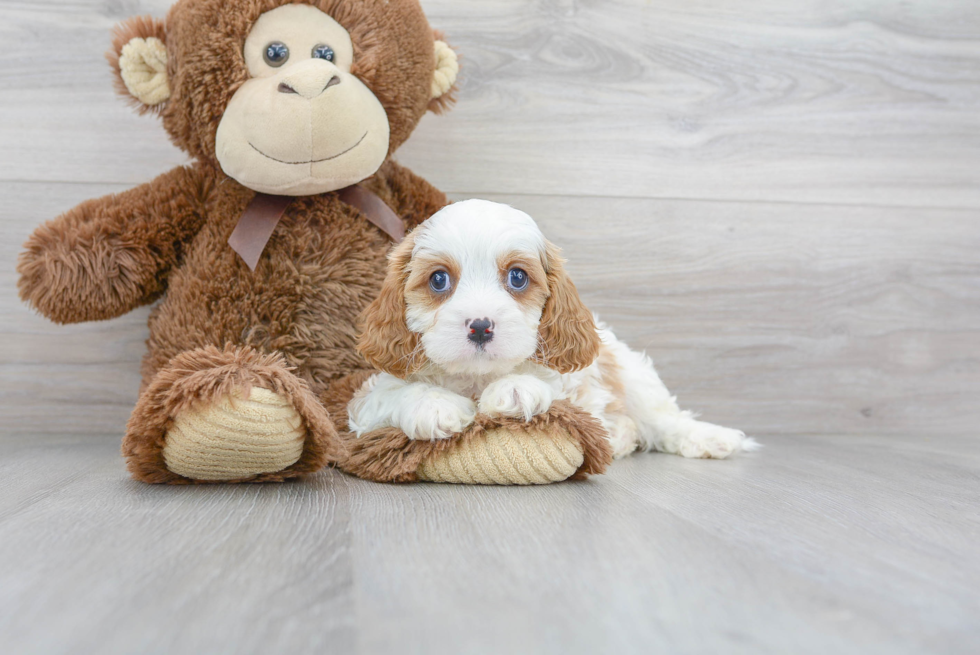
<point>439,281</point>
<point>323,52</point>
<point>517,279</point>
<point>276,54</point>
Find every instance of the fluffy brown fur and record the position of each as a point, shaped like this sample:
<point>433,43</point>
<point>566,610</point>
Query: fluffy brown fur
<point>106,257</point>
<point>205,375</point>
<point>167,240</point>
<point>291,324</point>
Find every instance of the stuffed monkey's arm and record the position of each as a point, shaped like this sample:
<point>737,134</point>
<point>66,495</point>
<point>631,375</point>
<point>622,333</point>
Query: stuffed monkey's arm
<point>409,195</point>
<point>110,255</point>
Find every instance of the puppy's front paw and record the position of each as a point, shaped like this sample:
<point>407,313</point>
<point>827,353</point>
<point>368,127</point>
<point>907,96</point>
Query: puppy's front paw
<point>516,396</point>
<point>439,415</point>
<point>711,441</point>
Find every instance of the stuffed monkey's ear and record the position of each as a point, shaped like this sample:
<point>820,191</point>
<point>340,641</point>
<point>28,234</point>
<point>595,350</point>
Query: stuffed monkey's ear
<point>139,59</point>
<point>567,336</point>
<point>446,70</point>
<point>385,340</point>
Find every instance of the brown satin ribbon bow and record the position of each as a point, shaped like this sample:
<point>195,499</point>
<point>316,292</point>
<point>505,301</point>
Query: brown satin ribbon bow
<point>260,218</point>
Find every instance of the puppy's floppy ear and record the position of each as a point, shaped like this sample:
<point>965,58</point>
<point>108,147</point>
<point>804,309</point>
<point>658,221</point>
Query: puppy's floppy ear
<point>567,337</point>
<point>385,340</point>
<point>139,59</point>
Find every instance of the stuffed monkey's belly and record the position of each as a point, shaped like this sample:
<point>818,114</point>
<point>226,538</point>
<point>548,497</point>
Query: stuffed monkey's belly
<point>303,299</point>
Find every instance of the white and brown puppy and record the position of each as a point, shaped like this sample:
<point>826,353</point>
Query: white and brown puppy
<point>478,315</point>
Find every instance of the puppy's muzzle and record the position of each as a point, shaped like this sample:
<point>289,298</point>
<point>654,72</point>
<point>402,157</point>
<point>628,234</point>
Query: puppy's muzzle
<point>481,331</point>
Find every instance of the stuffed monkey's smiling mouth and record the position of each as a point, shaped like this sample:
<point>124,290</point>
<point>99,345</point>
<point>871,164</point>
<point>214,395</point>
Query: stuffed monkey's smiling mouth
<point>312,161</point>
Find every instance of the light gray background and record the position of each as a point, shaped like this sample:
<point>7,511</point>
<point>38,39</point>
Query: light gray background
<point>778,201</point>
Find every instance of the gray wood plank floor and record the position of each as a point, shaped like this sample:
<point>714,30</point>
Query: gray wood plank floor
<point>778,201</point>
<point>817,544</point>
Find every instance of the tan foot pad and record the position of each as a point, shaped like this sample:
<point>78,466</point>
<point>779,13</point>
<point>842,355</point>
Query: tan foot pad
<point>565,443</point>
<point>504,457</point>
<point>235,438</point>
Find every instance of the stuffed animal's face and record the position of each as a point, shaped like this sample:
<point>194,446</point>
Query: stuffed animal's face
<point>302,124</point>
<point>287,98</point>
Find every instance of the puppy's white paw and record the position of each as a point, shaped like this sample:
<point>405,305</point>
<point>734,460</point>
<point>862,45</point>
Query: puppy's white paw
<point>516,396</point>
<point>439,414</point>
<point>711,441</point>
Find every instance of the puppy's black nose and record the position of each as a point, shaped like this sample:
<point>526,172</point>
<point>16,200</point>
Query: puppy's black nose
<point>481,331</point>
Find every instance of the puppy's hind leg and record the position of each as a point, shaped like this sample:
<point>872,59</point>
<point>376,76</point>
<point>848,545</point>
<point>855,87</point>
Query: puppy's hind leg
<point>660,423</point>
<point>680,433</point>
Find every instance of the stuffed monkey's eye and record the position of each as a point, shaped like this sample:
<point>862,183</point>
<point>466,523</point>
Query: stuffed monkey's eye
<point>276,54</point>
<point>517,279</point>
<point>440,281</point>
<point>323,52</point>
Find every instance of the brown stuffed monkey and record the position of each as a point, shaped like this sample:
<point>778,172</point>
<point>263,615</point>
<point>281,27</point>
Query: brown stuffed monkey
<point>264,251</point>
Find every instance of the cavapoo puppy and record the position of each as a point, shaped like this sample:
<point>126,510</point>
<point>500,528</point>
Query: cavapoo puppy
<point>477,315</point>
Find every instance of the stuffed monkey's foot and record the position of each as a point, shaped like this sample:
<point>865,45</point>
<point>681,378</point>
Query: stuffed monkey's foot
<point>232,415</point>
<point>233,438</point>
<point>534,455</point>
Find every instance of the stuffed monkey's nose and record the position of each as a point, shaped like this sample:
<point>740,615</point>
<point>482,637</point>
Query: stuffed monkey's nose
<point>309,82</point>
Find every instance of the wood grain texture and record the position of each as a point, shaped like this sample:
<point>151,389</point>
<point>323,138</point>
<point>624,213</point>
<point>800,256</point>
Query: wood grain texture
<point>847,544</point>
<point>778,201</point>
<point>208,569</point>
<point>852,102</point>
